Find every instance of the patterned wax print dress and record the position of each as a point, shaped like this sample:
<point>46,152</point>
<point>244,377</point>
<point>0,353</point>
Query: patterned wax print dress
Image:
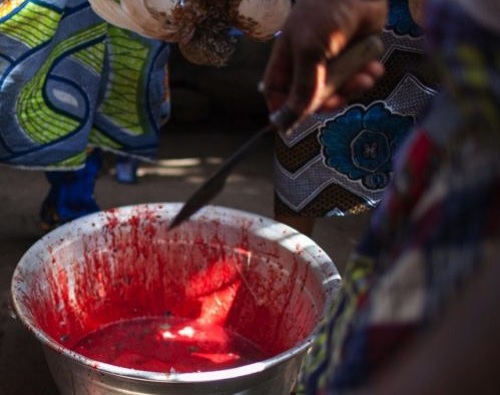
<point>438,225</point>
<point>68,81</point>
<point>340,163</point>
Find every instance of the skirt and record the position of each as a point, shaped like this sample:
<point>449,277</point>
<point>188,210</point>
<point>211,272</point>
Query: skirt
<point>70,81</point>
<point>339,163</point>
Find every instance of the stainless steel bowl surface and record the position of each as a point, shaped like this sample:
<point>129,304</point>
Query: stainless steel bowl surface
<point>283,274</point>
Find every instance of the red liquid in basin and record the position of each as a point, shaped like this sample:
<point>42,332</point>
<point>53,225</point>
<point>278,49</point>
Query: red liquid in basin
<point>168,345</point>
<point>130,294</point>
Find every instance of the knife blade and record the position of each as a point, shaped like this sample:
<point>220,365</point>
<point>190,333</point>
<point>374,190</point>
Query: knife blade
<point>350,61</point>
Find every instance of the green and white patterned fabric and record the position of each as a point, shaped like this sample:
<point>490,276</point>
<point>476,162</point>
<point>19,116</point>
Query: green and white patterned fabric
<point>69,80</point>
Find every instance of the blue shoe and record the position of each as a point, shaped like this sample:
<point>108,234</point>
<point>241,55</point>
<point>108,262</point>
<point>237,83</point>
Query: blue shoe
<point>71,193</point>
<point>126,170</point>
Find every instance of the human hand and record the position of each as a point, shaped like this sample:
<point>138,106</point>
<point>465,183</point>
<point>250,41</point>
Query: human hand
<point>315,33</point>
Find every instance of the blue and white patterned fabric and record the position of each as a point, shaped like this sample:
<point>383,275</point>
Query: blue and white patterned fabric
<point>340,163</point>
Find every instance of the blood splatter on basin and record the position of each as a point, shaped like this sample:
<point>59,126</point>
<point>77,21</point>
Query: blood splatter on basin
<point>224,304</point>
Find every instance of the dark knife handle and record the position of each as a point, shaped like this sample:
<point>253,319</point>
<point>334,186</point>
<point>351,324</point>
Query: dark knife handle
<point>350,61</point>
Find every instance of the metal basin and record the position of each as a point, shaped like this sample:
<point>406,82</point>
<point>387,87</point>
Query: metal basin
<point>254,276</point>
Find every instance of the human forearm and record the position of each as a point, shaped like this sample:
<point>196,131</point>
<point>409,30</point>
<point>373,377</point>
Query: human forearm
<point>417,10</point>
